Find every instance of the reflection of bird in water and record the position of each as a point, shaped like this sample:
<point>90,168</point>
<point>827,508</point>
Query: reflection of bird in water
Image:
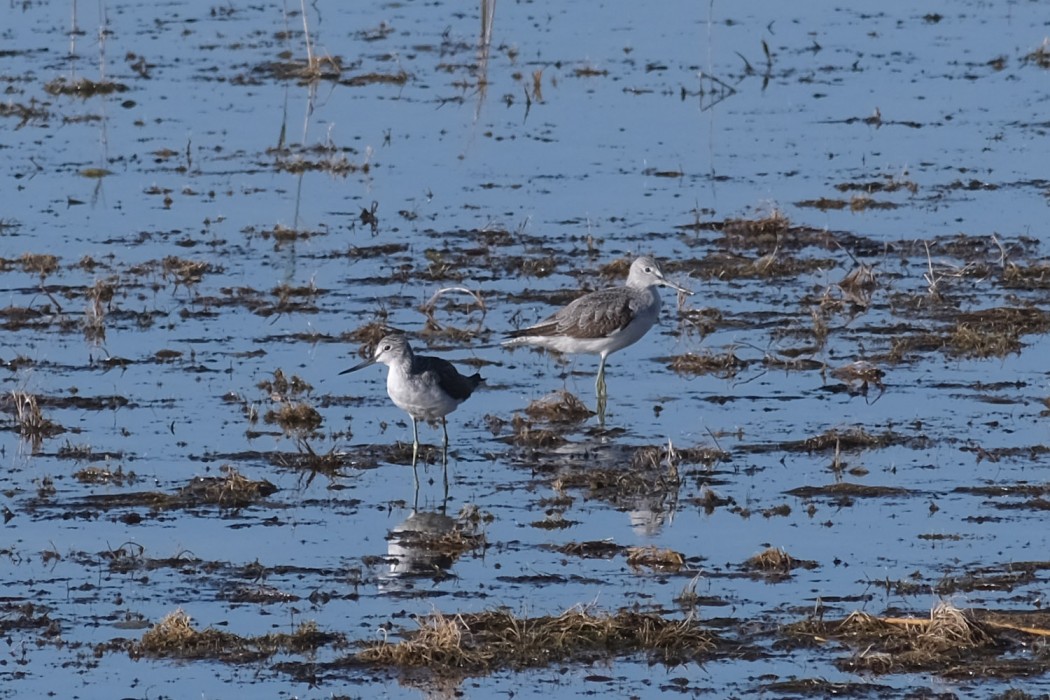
<point>649,515</point>
<point>427,388</point>
<point>603,321</point>
<point>412,550</point>
<point>642,482</point>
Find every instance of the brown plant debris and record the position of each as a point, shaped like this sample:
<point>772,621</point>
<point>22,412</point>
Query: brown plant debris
<point>525,434</point>
<point>282,388</point>
<point>369,335</point>
<point>1026,276</point>
<point>594,549</point>
<point>31,421</point>
<point>723,365</point>
<point>83,87</point>
<point>757,233</point>
<point>24,112</point>
<point>775,562</point>
<point>855,438</point>
<point>438,534</point>
<point>1040,56</point>
<point>995,332</point>
<point>859,285</point>
<point>823,203</point>
<point>950,642</point>
<point>99,474</point>
<point>176,637</point>
<point>655,558</point>
<point>185,272</point>
<point>487,641</point>
<point>861,202</point>
<point>559,407</point>
<point>330,159</point>
<point>860,373</point>
<point>398,78</point>
<point>305,71</point>
<point>42,264</point>
<point>232,490</point>
<point>887,184</point>
<point>295,418</point>
<point>846,489</point>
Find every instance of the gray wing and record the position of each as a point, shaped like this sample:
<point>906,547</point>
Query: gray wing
<point>453,383</point>
<point>593,315</point>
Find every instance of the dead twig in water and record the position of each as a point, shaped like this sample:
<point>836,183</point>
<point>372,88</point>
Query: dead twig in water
<point>431,304</point>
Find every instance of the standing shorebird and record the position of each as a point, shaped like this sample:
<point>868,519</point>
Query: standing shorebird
<point>604,321</point>
<point>427,388</point>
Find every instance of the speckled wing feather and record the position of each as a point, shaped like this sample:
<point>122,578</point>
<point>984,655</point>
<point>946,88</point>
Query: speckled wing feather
<point>456,385</point>
<point>594,315</point>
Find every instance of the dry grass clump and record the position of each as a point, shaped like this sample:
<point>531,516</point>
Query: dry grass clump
<point>559,407</point>
<point>185,272</point>
<point>295,418</point>
<point>859,285</point>
<point>281,387</point>
<point>527,435</point>
<point>655,558</point>
<point>31,421</point>
<point>33,111</point>
<point>594,549</point>
<point>967,341</point>
<point>97,474</point>
<point>860,373</point>
<point>438,534</point>
<point>862,202</point>
<point>233,490</point>
<point>894,645</point>
<point>370,334</point>
<point>845,490</point>
<point>1040,56</point>
<point>849,439</point>
<point>1026,277</point>
<point>775,562</point>
<point>913,645</point>
<point>889,183</point>
<point>482,642</point>
<point>329,159</point>
<point>83,87</point>
<point>399,77</point>
<point>995,332</point>
<point>100,295</point>
<point>823,203</point>
<point>176,637</point>
<point>758,233</point>
<point>723,365</point>
<point>42,264</point>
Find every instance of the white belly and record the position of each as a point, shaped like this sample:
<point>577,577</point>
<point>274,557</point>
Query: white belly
<point>618,340</point>
<point>421,400</point>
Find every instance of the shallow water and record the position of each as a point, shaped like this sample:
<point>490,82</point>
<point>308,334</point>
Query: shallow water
<point>630,146</point>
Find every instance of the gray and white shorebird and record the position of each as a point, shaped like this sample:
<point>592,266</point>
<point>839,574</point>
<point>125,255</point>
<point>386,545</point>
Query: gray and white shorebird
<point>603,321</point>
<point>426,388</point>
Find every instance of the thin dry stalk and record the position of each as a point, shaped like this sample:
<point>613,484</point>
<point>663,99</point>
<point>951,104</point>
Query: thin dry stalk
<point>431,304</point>
<point>311,62</point>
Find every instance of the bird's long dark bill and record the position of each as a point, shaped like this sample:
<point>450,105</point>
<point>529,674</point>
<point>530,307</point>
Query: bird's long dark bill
<point>356,367</point>
<point>679,288</point>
